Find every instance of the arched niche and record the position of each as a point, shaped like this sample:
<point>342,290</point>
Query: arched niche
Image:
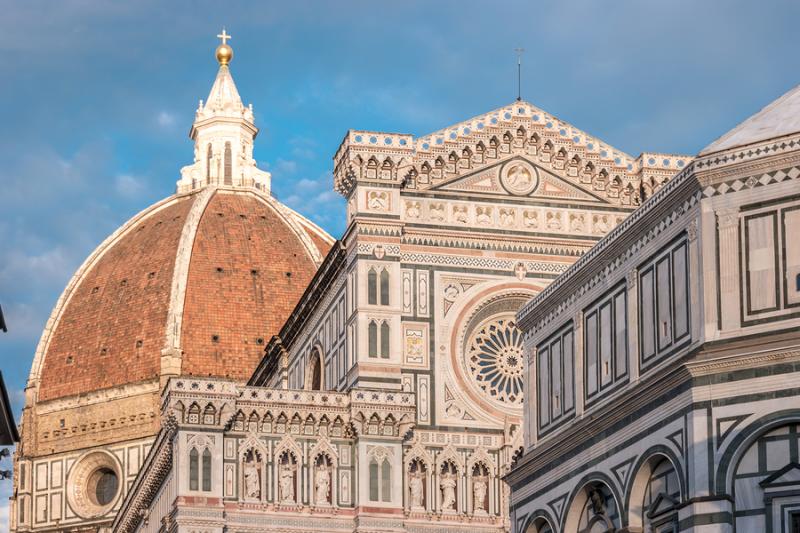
<point>595,508</point>
<point>314,375</point>
<point>656,489</point>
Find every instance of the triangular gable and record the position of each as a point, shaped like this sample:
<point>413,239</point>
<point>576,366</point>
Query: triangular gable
<point>786,476</point>
<point>508,114</point>
<point>549,186</point>
<point>662,504</point>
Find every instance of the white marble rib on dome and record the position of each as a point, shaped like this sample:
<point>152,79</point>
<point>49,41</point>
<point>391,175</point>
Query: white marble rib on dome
<point>781,117</point>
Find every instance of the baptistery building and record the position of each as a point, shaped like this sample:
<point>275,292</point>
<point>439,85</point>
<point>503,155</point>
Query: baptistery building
<point>662,368</point>
<point>194,286</point>
<point>391,397</point>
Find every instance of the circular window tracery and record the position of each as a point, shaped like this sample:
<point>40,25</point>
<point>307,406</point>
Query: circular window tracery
<point>93,484</point>
<point>495,359</point>
<point>103,484</point>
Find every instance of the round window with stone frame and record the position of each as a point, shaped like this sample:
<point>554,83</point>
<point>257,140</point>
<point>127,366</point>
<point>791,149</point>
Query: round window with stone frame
<point>493,351</point>
<point>93,484</point>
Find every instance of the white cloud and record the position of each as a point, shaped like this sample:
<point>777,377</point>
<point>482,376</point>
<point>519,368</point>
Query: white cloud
<point>128,185</point>
<point>315,199</point>
<point>285,167</point>
<point>165,119</point>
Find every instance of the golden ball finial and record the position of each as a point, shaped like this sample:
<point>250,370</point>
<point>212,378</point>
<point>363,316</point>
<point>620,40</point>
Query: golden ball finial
<point>224,51</point>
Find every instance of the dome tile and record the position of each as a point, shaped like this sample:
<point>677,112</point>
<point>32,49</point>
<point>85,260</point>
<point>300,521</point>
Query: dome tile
<point>111,329</point>
<point>248,269</point>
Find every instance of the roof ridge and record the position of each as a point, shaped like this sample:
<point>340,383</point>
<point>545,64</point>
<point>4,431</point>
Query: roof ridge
<point>778,118</point>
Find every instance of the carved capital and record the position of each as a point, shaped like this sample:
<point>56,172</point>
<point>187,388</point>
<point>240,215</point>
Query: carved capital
<point>691,230</point>
<point>632,276</point>
<point>577,320</point>
<point>727,218</point>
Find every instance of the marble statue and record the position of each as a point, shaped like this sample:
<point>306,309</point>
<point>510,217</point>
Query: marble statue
<point>322,485</point>
<point>479,494</point>
<point>448,486</point>
<point>252,480</point>
<point>415,483</point>
<point>287,483</point>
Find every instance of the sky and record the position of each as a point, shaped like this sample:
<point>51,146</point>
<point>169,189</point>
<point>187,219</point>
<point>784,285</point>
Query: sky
<point>96,100</point>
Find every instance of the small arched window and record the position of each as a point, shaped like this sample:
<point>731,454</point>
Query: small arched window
<point>206,470</point>
<point>209,156</point>
<point>386,481</point>
<point>194,469</point>
<point>384,287</point>
<point>228,164</point>
<point>385,340</point>
<point>380,479</point>
<point>372,287</point>
<point>372,333</point>
<point>314,371</point>
<point>373,481</point>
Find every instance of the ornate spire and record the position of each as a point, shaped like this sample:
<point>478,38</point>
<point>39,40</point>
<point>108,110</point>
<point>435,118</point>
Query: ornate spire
<point>223,132</point>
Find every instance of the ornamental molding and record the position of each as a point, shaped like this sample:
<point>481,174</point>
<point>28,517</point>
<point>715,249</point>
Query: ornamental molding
<point>739,360</point>
<point>575,221</point>
<point>736,157</point>
<point>449,453</point>
<point>752,181</point>
<point>480,456</point>
<point>539,267</point>
<point>519,129</point>
<point>520,244</point>
<point>417,452</point>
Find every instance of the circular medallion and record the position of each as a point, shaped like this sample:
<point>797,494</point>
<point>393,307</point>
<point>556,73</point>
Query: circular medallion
<point>519,178</point>
<point>93,484</point>
<point>496,361</point>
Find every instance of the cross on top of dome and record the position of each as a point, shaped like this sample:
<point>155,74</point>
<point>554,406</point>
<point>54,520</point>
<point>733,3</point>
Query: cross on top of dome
<point>224,37</point>
<point>224,51</point>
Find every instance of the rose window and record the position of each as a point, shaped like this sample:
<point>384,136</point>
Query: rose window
<point>495,360</point>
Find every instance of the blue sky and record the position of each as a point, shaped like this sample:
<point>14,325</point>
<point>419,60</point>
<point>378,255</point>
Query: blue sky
<point>96,100</point>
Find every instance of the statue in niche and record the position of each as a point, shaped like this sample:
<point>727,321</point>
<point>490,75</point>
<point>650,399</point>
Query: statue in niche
<point>286,481</point>
<point>598,502</point>
<point>322,484</point>
<point>252,478</point>
<point>448,486</point>
<point>416,485</point>
<point>479,488</point>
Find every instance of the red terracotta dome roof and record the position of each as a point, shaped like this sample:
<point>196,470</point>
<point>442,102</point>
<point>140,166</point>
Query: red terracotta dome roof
<point>212,274</point>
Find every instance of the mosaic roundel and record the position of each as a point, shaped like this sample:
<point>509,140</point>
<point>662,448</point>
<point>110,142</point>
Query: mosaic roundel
<point>495,360</point>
